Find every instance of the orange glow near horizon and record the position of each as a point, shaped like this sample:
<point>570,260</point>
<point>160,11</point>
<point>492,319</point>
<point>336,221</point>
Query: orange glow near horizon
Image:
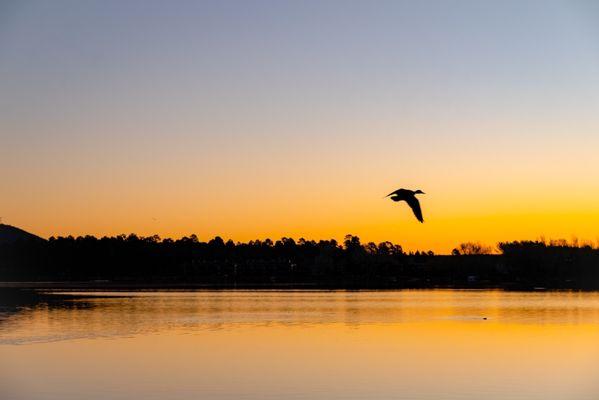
<point>290,187</point>
<point>316,193</point>
<point>370,219</point>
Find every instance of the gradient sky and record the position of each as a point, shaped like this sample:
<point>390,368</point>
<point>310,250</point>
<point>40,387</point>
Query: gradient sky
<point>267,119</point>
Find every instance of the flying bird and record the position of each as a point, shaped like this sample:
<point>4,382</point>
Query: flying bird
<point>409,196</point>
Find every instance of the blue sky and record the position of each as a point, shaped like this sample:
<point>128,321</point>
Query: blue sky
<point>108,104</point>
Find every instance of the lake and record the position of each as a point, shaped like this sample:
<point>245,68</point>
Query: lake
<point>412,344</point>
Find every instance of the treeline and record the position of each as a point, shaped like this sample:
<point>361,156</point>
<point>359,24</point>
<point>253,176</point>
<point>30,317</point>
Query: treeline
<point>303,263</point>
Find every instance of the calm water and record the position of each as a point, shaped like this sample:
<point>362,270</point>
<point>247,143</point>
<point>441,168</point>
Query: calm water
<point>302,345</point>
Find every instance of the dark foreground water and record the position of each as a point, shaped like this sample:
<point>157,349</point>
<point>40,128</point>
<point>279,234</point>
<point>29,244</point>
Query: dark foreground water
<point>301,345</point>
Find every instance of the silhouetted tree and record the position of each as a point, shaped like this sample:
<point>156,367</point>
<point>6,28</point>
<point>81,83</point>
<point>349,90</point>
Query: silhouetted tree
<point>472,248</point>
<point>133,258</point>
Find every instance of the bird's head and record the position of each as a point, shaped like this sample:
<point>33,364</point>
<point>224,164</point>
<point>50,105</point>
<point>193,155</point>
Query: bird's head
<point>419,192</point>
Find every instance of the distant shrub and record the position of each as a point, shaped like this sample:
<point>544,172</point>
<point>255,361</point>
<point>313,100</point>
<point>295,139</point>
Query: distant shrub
<point>471,249</point>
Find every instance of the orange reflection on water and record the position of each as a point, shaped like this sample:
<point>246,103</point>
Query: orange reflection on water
<point>226,345</point>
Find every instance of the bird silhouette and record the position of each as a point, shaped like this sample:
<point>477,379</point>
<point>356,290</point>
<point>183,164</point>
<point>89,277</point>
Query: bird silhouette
<point>409,196</point>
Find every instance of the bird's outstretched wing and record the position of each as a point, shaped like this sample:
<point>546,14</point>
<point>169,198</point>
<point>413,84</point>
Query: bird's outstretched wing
<point>415,206</point>
<point>398,191</point>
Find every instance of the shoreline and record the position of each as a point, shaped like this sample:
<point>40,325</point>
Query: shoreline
<point>157,286</point>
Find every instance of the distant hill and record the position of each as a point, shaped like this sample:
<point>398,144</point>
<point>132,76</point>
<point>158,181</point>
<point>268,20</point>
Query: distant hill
<point>10,234</point>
